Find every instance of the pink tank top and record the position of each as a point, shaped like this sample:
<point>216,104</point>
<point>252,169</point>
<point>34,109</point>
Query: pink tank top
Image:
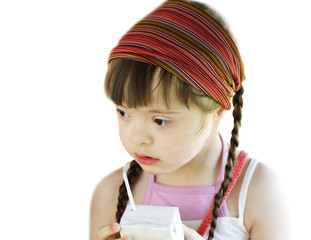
<point>193,202</point>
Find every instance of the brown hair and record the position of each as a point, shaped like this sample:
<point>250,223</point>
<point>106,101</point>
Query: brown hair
<point>130,82</point>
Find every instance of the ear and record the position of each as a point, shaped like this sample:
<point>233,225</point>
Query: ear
<point>220,113</point>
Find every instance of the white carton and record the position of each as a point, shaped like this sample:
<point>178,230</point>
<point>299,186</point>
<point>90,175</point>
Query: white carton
<point>142,222</point>
<point>152,223</point>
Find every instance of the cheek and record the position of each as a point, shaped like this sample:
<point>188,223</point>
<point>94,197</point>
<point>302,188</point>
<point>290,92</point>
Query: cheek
<point>123,137</point>
<point>179,149</point>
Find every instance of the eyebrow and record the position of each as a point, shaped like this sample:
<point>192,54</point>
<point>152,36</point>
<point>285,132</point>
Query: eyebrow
<point>162,111</point>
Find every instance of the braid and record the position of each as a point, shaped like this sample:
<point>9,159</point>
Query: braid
<point>234,143</point>
<point>133,175</point>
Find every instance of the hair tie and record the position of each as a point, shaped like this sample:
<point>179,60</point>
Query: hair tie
<point>187,42</point>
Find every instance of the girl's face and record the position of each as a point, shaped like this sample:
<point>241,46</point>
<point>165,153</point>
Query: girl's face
<point>165,139</point>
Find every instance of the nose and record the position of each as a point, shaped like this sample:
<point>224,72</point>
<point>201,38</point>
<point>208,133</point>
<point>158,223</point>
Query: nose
<point>141,134</point>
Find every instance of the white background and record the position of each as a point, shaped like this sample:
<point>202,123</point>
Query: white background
<point>58,132</point>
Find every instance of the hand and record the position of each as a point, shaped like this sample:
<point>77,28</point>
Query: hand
<point>191,234</point>
<point>111,232</point>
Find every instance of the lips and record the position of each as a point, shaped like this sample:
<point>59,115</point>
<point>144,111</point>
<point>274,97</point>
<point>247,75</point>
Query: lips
<point>145,160</point>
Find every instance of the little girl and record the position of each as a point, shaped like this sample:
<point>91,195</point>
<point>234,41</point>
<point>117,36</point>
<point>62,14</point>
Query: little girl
<point>172,77</point>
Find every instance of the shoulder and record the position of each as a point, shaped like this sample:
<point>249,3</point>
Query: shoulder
<point>104,202</point>
<point>266,211</point>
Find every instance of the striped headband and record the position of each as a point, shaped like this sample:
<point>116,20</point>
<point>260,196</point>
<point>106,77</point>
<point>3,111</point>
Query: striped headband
<point>187,42</point>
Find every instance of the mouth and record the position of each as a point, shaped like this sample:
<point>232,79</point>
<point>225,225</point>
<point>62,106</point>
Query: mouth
<point>146,160</point>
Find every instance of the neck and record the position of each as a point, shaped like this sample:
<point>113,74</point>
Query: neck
<point>202,170</point>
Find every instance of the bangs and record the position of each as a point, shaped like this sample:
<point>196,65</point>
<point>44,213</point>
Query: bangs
<point>130,82</point>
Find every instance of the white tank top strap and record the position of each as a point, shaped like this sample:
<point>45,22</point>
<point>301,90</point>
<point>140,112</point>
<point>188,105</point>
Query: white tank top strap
<point>244,188</point>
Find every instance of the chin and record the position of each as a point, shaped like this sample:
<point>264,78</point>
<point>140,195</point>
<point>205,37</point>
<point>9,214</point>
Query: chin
<point>157,170</point>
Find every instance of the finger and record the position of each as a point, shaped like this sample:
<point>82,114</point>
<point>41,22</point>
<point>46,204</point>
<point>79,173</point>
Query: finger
<point>107,231</point>
<point>123,238</point>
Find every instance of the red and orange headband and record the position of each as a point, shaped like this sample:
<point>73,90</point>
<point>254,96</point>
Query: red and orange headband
<point>187,42</point>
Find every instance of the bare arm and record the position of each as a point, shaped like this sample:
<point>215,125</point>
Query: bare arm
<point>266,207</point>
<point>104,202</point>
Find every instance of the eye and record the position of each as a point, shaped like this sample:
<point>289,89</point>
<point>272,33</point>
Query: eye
<point>161,122</point>
<point>122,113</point>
